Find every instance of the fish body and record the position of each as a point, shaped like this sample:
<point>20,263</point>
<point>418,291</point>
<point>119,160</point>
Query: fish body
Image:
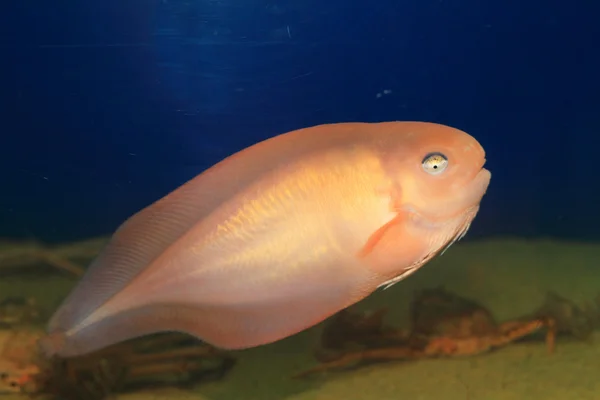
<point>278,237</point>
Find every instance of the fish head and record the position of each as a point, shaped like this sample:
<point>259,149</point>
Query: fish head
<point>437,182</point>
<point>439,173</point>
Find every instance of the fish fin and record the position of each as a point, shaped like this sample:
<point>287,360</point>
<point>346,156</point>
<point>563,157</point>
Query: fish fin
<point>458,235</point>
<point>377,238</point>
<point>406,272</point>
<point>392,253</point>
<point>118,328</point>
<point>135,244</point>
<point>461,234</point>
<point>229,327</point>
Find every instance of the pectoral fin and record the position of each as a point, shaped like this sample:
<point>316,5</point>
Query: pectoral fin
<point>394,252</point>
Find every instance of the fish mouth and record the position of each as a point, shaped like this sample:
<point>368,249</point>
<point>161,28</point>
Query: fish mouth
<point>483,176</point>
<point>469,201</point>
<point>482,180</point>
<point>475,190</point>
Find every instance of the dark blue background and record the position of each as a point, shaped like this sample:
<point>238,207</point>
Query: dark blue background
<point>108,105</point>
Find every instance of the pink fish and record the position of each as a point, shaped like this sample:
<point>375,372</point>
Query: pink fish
<point>278,237</point>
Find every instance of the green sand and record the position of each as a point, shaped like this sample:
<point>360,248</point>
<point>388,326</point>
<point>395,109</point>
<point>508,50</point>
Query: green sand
<point>511,277</point>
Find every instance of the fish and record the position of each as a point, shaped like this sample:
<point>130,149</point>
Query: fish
<point>278,237</point>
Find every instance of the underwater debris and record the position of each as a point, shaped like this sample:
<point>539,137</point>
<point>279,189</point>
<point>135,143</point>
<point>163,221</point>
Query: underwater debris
<point>570,319</point>
<point>443,324</point>
<point>160,360</point>
<point>18,342</point>
<point>16,256</point>
<point>18,310</point>
<point>350,330</point>
<point>18,359</point>
<point>592,310</point>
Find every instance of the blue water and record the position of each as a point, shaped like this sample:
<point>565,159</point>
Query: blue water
<point>109,105</point>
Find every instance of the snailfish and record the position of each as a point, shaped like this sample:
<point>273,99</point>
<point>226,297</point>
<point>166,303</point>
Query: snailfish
<point>279,236</point>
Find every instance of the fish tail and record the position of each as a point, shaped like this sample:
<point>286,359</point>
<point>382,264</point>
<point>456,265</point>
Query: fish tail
<point>52,344</point>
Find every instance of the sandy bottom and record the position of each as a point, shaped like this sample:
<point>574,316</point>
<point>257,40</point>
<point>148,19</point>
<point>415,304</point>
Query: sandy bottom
<point>511,277</point>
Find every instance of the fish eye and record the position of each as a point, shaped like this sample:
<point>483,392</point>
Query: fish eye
<point>434,163</point>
